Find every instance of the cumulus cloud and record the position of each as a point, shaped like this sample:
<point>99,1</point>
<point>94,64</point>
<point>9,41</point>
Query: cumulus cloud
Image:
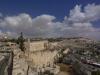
<point>42,25</point>
<point>80,20</point>
<point>77,23</point>
<point>91,12</point>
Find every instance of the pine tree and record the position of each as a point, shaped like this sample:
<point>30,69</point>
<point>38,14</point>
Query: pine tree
<point>21,42</point>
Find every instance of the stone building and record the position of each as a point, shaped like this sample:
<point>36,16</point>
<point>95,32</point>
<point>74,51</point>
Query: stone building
<point>39,57</point>
<point>33,46</point>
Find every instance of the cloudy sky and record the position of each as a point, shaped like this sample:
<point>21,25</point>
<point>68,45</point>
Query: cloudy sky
<point>50,18</point>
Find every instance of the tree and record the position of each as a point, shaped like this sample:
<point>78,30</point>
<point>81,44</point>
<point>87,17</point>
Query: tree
<point>21,42</point>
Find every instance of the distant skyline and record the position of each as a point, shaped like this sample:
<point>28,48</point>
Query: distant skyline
<point>50,18</point>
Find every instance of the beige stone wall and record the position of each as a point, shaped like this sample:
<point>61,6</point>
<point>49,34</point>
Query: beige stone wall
<point>36,45</point>
<point>45,58</point>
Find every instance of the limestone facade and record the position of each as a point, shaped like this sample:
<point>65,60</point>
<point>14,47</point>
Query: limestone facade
<point>36,45</point>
